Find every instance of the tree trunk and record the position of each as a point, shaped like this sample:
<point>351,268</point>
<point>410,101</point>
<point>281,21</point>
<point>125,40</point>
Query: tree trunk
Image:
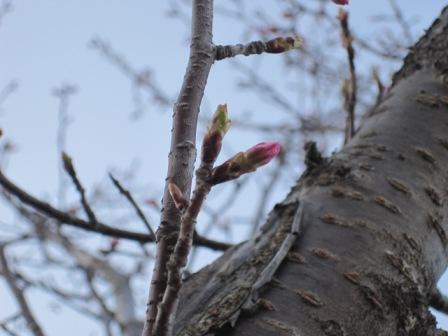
<point>372,223</point>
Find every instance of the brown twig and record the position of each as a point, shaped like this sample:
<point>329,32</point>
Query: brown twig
<point>140,79</point>
<point>379,85</point>
<point>350,87</point>
<point>407,33</point>
<point>5,322</point>
<point>70,169</point>
<point>65,218</point>
<point>274,46</point>
<point>126,193</point>
<point>182,150</point>
<point>167,308</point>
<point>211,147</point>
<point>18,294</point>
<point>63,94</point>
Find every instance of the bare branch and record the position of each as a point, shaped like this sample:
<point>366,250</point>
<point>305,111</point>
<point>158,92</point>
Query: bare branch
<point>70,169</point>
<point>130,198</point>
<point>65,218</point>
<point>63,93</point>
<point>167,309</point>
<point>182,149</point>
<point>350,87</point>
<point>9,89</point>
<point>402,22</point>
<point>274,46</point>
<point>5,322</point>
<point>140,79</point>
<point>18,294</point>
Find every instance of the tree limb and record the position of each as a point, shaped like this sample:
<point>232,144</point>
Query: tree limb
<point>104,229</point>
<point>126,193</point>
<point>182,150</point>
<point>18,294</point>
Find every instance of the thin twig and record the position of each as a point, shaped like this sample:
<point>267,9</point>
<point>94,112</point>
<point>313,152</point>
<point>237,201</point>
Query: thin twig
<point>140,79</point>
<point>380,86</point>
<point>126,193</point>
<point>167,309</point>
<point>9,89</point>
<point>63,93</point>
<point>18,294</point>
<point>70,169</point>
<point>7,330</point>
<point>4,324</point>
<point>350,88</point>
<point>407,32</point>
<point>65,218</point>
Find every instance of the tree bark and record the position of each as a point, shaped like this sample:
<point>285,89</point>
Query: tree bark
<point>372,239</point>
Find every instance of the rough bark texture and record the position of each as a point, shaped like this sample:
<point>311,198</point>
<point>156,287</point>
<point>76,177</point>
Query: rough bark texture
<point>374,225</point>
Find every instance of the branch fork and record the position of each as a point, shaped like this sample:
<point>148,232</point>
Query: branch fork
<point>207,176</point>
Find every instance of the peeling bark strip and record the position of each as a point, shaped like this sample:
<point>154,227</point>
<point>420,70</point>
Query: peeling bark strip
<point>237,287</point>
<point>281,327</point>
<point>387,204</point>
<point>400,186</point>
<point>389,240</point>
<point>309,297</point>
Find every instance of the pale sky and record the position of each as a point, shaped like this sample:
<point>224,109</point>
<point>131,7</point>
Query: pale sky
<point>46,43</point>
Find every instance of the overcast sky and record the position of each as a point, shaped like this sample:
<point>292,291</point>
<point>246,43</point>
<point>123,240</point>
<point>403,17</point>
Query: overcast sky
<point>45,43</point>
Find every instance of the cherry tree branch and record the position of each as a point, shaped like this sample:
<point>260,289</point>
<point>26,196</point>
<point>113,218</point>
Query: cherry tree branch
<point>18,294</point>
<point>350,87</point>
<point>274,46</point>
<point>182,150</point>
<point>70,169</point>
<point>104,229</point>
<point>126,193</point>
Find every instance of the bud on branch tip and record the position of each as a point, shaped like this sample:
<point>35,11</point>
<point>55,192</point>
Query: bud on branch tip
<point>340,2</point>
<point>212,143</point>
<point>220,121</point>
<point>68,164</point>
<point>282,44</point>
<point>178,197</point>
<point>246,162</point>
<point>261,154</point>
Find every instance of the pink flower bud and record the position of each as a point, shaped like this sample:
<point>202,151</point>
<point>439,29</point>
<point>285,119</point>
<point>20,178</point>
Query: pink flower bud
<point>178,197</point>
<point>340,2</point>
<point>282,44</point>
<point>245,162</point>
<point>261,154</point>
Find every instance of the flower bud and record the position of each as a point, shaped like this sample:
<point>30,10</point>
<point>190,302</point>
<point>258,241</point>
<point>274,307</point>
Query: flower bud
<point>282,44</point>
<point>212,143</point>
<point>261,154</point>
<point>68,164</point>
<point>245,162</point>
<point>340,2</point>
<point>178,197</point>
